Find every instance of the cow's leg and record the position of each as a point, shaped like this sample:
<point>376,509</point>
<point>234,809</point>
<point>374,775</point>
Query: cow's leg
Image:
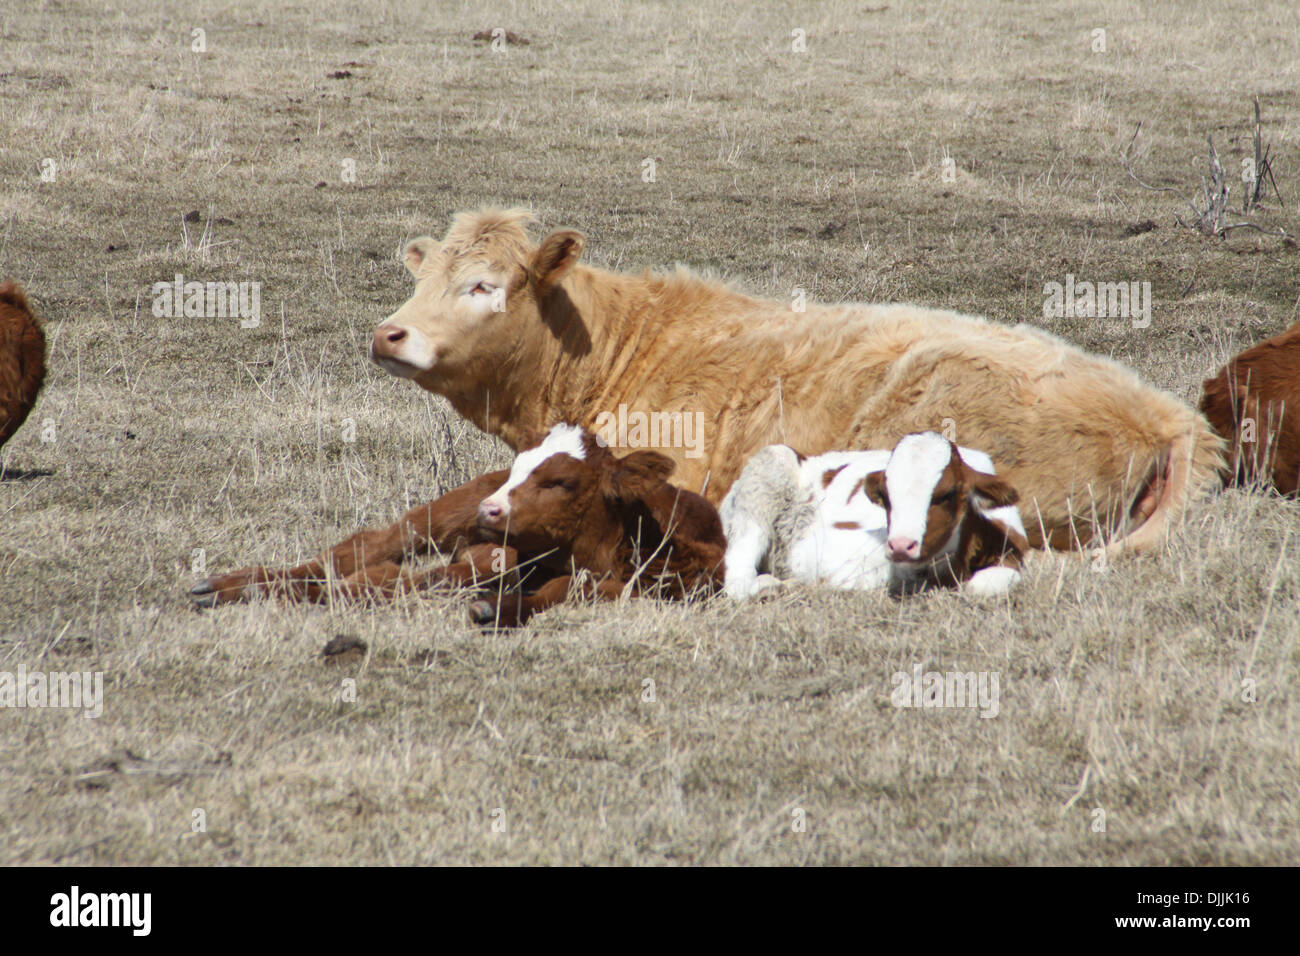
<point>510,610</point>
<point>766,488</point>
<point>479,565</point>
<point>444,524</point>
<point>476,565</point>
<point>992,582</point>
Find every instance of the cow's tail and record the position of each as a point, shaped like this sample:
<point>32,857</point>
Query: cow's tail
<point>27,342</point>
<point>1185,470</point>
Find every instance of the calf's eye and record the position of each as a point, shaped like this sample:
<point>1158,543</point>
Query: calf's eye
<point>481,288</point>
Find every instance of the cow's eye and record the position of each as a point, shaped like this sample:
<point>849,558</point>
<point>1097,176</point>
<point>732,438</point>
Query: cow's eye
<point>948,497</point>
<point>481,288</point>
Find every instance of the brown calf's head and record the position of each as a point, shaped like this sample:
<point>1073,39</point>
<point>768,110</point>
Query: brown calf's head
<point>569,488</point>
<point>926,490</point>
<point>476,294</point>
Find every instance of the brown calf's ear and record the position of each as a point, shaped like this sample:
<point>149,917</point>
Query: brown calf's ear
<point>991,491</point>
<point>873,486</point>
<point>555,257</point>
<point>417,250</point>
<point>636,475</point>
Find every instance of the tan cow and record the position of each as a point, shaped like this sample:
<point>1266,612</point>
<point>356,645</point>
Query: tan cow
<point>521,336</point>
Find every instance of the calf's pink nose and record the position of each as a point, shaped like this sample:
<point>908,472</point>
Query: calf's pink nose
<point>490,511</point>
<point>900,548</point>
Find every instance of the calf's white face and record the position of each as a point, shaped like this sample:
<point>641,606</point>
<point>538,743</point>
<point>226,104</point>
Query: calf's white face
<point>561,440</point>
<point>927,489</point>
<point>911,479</point>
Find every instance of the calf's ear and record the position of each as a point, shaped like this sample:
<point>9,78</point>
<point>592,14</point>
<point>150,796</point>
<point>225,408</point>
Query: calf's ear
<point>873,486</point>
<point>417,250</point>
<point>990,491</point>
<point>555,257</point>
<point>638,474</point>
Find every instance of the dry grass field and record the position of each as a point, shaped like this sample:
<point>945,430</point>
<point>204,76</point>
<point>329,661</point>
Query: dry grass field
<point>1124,732</point>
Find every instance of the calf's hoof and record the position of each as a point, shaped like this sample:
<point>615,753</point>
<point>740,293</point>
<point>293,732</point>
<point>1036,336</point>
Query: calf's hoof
<point>212,591</point>
<point>204,594</point>
<point>483,613</point>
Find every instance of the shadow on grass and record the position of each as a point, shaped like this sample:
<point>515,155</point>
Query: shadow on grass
<point>19,474</point>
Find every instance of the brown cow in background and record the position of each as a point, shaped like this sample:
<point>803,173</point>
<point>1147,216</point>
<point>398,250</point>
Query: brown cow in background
<point>22,359</point>
<point>1254,403</point>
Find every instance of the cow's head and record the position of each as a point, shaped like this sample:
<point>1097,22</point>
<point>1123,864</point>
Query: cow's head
<point>926,489</point>
<point>476,293</point>
<point>567,487</point>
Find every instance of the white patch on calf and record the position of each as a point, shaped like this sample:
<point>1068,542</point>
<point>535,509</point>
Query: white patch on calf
<point>992,582</point>
<point>561,440</point>
<point>844,545</point>
<point>913,471</point>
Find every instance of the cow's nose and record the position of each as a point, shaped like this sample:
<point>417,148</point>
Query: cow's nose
<point>489,512</point>
<point>387,339</point>
<point>901,549</point>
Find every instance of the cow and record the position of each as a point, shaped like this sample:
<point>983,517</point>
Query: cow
<point>925,514</point>
<point>520,335</point>
<point>567,516</point>
<point>1254,403</point>
<point>22,359</point>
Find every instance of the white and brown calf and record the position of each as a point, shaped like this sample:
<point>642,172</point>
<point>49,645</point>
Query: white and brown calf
<point>927,513</point>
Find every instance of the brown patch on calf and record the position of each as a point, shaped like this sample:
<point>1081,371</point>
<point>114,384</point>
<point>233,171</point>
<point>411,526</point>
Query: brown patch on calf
<point>848,525</point>
<point>829,475</point>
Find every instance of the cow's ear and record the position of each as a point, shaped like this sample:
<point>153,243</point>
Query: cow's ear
<point>417,250</point>
<point>555,257</point>
<point>873,486</point>
<point>636,475</point>
<point>990,491</point>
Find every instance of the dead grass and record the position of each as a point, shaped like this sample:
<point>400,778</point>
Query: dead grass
<point>1120,691</point>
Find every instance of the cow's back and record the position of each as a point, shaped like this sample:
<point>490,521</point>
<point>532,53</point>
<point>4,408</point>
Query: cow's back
<point>1078,432</point>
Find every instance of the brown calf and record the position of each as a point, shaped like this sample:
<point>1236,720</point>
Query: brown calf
<point>1254,403</point>
<point>571,505</point>
<point>565,507</point>
<point>22,359</point>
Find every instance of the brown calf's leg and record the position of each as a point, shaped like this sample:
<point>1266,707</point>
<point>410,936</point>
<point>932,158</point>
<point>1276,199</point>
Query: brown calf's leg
<point>476,565</point>
<point>445,524</point>
<point>511,610</point>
